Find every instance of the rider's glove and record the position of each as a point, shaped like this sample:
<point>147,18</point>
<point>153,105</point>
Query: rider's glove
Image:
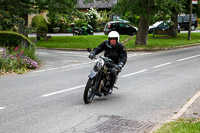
<point>120,65</point>
<point>92,55</point>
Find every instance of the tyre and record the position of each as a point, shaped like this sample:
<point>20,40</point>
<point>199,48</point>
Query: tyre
<point>89,92</point>
<point>133,33</point>
<point>192,27</point>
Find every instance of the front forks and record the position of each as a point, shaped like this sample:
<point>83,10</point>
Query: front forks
<point>98,82</point>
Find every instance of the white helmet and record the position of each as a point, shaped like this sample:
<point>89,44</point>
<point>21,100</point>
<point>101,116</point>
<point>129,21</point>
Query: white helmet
<point>113,34</point>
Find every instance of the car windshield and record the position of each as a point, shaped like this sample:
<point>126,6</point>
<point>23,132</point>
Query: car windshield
<point>157,23</point>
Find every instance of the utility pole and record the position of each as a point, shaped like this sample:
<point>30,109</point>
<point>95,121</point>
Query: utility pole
<point>190,21</point>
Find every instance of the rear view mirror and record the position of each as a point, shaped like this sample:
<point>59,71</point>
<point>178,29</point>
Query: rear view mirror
<point>89,49</point>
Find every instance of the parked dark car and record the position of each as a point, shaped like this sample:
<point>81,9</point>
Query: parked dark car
<point>161,26</point>
<point>183,21</point>
<point>121,27</point>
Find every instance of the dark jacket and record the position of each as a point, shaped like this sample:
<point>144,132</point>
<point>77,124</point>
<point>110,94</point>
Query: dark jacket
<point>117,53</point>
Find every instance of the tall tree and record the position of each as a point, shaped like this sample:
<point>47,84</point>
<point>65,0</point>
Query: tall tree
<point>55,7</point>
<point>148,10</point>
<point>21,8</point>
<point>174,8</point>
<point>16,9</point>
<point>145,9</point>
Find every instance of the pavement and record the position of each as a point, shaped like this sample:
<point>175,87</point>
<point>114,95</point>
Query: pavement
<point>193,111</point>
<point>189,111</point>
<point>63,34</point>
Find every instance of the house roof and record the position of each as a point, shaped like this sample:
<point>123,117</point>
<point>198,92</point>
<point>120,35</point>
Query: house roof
<point>96,3</point>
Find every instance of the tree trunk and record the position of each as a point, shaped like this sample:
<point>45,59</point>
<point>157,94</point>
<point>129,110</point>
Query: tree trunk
<point>25,26</point>
<point>142,33</point>
<point>174,18</point>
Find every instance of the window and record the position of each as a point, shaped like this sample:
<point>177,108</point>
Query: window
<point>121,25</point>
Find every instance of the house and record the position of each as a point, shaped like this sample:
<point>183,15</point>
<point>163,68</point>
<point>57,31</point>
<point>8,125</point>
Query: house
<point>100,5</point>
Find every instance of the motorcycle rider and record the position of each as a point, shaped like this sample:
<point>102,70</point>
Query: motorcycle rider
<point>113,50</point>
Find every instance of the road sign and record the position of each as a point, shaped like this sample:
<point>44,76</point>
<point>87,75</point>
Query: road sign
<point>194,1</point>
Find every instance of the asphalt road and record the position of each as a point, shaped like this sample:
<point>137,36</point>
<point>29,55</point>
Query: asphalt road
<point>152,87</point>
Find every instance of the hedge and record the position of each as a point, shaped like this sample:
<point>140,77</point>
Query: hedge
<point>13,39</point>
<point>39,23</point>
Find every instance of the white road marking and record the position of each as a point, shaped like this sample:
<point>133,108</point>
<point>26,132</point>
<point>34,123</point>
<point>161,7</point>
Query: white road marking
<point>76,55</point>
<point>57,92</point>
<point>189,57</point>
<point>1,108</point>
<point>65,52</point>
<point>136,54</point>
<point>162,65</point>
<point>50,69</point>
<point>42,53</point>
<point>134,73</point>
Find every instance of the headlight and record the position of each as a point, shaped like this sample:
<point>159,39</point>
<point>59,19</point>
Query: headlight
<point>99,63</point>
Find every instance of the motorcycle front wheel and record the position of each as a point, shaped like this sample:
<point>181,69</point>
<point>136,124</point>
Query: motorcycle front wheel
<point>89,92</point>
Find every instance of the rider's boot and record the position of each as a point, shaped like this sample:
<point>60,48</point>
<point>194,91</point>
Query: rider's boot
<point>108,91</point>
<point>99,94</point>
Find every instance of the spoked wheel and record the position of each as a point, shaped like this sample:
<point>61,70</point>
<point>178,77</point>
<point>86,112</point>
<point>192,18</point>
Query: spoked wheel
<point>89,92</point>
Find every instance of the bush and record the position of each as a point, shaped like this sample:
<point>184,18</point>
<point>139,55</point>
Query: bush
<point>92,17</point>
<point>9,21</point>
<point>39,23</point>
<point>198,20</point>
<point>80,23</point>
<point>12,39</point>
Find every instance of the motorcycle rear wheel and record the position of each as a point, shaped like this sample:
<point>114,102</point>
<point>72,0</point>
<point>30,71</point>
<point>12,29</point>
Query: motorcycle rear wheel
<point>89,92</point>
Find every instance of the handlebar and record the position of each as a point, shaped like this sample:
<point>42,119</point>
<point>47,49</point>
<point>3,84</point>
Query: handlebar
<point>109,61</point>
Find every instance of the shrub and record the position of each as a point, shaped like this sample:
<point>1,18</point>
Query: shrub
<point>80,23</point>
<point>198,20</point>
<point>12,39</point>
<point>39,23</point>
<point>92,17</point>
<point>9,21</point>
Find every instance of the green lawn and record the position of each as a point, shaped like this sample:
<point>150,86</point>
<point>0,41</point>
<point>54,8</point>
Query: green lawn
<point>165,42</point>
<point>198,28</point>
<point>75,42</point>
<point>83,42</point>
<point>181,126</point>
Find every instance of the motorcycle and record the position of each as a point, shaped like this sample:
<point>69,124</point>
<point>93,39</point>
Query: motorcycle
<point>77,31</point>
<point>84,30</point>
<point>87,30</point>
<point>99,79</point>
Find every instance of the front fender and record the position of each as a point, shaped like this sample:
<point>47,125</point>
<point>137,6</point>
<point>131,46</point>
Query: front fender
<point>93,74</point>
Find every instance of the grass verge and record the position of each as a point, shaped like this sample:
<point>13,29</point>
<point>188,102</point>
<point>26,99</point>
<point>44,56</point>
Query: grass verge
<point>159,42</point>
<point>75,42</point>
<point>181,126</point>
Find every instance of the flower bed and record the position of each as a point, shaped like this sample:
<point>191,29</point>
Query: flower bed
<point>16,60</point>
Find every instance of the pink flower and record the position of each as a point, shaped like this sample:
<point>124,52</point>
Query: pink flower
<point>16,49</point>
